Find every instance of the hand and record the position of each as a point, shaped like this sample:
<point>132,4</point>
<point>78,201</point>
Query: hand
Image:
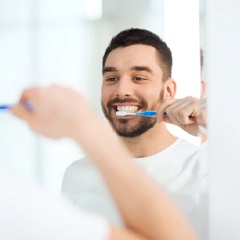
<point>188,113</point>
<point>57,111</point>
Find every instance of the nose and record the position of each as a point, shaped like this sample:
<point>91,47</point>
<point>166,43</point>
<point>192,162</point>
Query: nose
<point>124,88</point>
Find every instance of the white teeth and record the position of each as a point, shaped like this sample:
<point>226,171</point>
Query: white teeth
<point>129,109</point>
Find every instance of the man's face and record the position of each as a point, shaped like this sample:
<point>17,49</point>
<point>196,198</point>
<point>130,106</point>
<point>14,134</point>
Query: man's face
<point>132,81</point>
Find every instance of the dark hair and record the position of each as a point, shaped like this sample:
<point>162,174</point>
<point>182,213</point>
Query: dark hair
<point>141,36</point>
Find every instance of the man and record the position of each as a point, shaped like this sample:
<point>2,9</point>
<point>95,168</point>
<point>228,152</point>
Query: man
<point>136,77</point>
<point>27,213</point>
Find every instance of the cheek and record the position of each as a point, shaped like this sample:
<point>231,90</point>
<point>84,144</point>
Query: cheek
<point>152,94</point>
<point>105,94</point>
<point>153,97</point>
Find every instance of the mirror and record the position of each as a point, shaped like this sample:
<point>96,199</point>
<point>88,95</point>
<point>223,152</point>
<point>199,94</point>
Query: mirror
<point>46,42</point>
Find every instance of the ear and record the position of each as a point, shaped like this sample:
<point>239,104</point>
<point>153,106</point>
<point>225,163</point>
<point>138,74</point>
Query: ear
<point>203,88</point>
<point>170,88</point>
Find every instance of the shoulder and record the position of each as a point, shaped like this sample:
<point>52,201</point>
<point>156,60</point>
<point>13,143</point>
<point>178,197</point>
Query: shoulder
<point>182,143</point>
<point>190,157</point>
<point>81,169</point>
<point>193,151</point>
<point>76,166</point>
<point>182,149</point>
<point>197,156</point>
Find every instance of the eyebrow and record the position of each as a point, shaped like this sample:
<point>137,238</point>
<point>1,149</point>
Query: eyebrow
<point>135,68</point>
<point>108,69</point>
<point>142,68</point>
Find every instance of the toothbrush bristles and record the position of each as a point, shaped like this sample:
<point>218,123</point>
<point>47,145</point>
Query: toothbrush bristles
<point>123,114</point>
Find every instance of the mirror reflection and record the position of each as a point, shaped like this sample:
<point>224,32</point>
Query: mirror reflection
<point>51,42</point>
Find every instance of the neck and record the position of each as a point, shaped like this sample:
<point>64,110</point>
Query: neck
<point>151,142</point>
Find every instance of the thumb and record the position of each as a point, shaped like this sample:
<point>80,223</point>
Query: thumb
<point>162,114</point>
<point>21,112</point>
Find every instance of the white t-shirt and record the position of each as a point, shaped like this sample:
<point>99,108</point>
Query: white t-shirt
<point>181,170</point>
<point>29,213</point>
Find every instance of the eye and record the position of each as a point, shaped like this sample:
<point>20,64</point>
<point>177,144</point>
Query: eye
<point>111,79</point>
<point>138,79</point>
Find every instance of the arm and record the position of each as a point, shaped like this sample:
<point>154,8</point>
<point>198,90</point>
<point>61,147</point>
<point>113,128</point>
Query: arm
<point>61,112</point>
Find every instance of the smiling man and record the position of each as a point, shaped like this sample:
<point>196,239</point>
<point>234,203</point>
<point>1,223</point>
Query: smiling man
<point>136,71</point>
<point>133,80</point>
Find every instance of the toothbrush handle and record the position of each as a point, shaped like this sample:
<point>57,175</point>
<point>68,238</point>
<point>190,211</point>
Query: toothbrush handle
<point>27,105</point>
<point>150,114</point>
<point>147,113</point>
<point>5,106</point>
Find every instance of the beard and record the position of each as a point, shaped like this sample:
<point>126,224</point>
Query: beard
<point>121,126</point>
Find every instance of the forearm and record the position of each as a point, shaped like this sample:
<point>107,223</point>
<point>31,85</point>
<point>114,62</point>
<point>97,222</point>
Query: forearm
<point>60,112</point>
<point>117,233</point>
<point>145,209</point>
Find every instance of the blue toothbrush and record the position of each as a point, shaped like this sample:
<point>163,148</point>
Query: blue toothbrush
<point>5,106</point>
<point>27,105</point>
<point>144,113</point>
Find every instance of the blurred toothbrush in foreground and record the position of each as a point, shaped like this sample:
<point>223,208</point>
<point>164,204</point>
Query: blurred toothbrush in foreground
<point>5,106</point>
<point>27,105</point>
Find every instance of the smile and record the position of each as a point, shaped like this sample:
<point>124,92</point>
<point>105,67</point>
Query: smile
<point>129,109</point>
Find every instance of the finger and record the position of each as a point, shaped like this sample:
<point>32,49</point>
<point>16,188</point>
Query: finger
<point>21,112</point>
<point>166,119</point>
<point>182,111</point>
<point>166,103</point>
<point>177,113</point>
<point>161,111</point>
<point>30,95</point>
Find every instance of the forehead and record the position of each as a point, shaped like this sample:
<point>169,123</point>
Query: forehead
<point>134,55</point>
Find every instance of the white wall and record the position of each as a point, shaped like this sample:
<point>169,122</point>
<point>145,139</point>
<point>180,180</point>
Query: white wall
<point>41,42</point>
<point>181,32</point>
<point>223,75</point>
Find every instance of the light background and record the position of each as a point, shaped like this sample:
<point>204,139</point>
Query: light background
<point>223,73</point>
<point>44,42</point>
